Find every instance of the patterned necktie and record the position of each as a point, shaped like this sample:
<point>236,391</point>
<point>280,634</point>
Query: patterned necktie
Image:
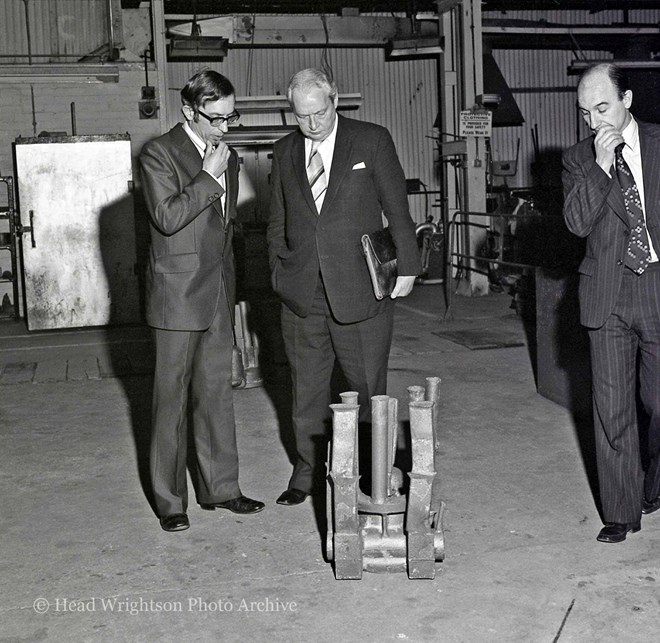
<point>316,176</point>
<point>637,254</point>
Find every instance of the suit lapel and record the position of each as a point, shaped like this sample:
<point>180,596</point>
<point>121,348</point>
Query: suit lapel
<point>191,161</point>
<point>340,161</point>
<point>231,185</point>
<point>650,151</point>
<point>186,151</point>
<point>298,162</point>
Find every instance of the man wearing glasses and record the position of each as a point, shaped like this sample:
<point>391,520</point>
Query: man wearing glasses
<point>190,183</point>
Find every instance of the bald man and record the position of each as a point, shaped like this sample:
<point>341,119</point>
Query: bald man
<point>612,197</point>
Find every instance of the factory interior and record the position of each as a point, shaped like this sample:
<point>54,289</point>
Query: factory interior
<point>488,531</point>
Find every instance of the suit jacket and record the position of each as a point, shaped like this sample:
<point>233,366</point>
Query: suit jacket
<point>594,208</point>
<point>366,181</point>
<point>191,237</point>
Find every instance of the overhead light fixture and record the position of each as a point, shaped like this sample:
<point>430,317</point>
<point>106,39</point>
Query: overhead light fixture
<point>195,46</point>
<point>413,48</point>
<point>191,48</point>
<point>489,101</point>
<point>251,104</point>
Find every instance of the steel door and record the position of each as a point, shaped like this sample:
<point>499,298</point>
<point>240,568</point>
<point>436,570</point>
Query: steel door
<point>78,245</point>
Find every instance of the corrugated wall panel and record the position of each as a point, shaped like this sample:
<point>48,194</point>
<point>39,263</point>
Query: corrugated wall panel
<point>563,16</point>
<point>643,16</point>
<point>545,92</point>
<point>606,17</point>
<point>14,38</point>
<point>401,96</point>
<point>60,30</point>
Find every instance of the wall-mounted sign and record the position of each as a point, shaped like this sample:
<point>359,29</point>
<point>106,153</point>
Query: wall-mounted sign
<point>476,123</point>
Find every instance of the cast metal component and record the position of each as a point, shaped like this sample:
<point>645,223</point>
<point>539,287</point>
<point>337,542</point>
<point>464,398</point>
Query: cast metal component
<point>248,345</point>
<point>386,531</point>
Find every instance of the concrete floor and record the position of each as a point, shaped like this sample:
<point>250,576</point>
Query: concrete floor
<point>84,559</point>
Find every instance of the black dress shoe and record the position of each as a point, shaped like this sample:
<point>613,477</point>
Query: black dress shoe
<point>648,507</point>
<point>174,522</point>
<point>292,497</point>
<point>616,532</point>
<point>240,505</point>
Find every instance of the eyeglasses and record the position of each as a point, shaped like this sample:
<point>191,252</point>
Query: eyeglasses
<point>217,121</point>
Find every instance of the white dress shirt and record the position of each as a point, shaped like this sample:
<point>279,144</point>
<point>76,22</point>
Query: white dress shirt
<point>326,150</point>
<point>201,148</point>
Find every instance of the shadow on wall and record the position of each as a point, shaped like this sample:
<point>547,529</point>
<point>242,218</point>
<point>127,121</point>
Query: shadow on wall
<point>563,367</point>
<point>130,356</point>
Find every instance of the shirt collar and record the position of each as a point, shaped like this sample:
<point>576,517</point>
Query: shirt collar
<point>198,142</point>
<point>631,134</point>
<point>328,141</point>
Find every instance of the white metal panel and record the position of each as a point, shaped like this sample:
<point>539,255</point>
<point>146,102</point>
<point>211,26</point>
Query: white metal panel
<point>79,258</point>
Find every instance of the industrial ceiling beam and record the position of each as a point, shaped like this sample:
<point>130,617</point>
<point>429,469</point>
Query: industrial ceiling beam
<point>527,34</point>
<point>305,31</point>
<point>365,6</point>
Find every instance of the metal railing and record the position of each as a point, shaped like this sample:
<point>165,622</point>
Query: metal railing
<point>462,218</point>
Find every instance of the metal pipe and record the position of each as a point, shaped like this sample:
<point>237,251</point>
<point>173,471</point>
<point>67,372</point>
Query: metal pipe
<point>433,395</point>
<point>433,389</point>
<point>416,393</point>
<point>349,397</point>
<point>243,311</point>
<point>392,429</point>
<point>27,30</point>
<point>34,111</point>
<point>73,119</point>
<point>111,31</point>
<point>379,448</point>
<point>428,225</point>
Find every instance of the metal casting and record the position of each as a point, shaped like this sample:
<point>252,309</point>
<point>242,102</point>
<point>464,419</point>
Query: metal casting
<point>390,530</point>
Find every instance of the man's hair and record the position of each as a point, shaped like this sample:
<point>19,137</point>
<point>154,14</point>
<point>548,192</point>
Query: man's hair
<point>204,86</point>
<point>308,78</point>
<point>616,74</point>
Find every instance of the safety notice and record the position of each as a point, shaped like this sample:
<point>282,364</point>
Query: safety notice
<point>475,123</point>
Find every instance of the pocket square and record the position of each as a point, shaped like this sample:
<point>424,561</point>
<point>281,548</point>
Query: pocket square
<point>359,166</point>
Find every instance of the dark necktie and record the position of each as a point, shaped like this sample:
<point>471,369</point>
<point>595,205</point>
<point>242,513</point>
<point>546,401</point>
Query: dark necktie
<point>637,253</point>
<point>316,176</point>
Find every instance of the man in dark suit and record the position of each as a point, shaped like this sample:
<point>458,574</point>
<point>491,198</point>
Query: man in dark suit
<point>190,180</point>
<point>332,180</point>
<point>612,197</point>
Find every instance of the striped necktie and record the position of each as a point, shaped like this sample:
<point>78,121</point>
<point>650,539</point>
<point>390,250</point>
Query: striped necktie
<point>637,253</point>
<point>316,176</point>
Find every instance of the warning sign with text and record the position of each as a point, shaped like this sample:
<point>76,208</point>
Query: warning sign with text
<point>476,123</point>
